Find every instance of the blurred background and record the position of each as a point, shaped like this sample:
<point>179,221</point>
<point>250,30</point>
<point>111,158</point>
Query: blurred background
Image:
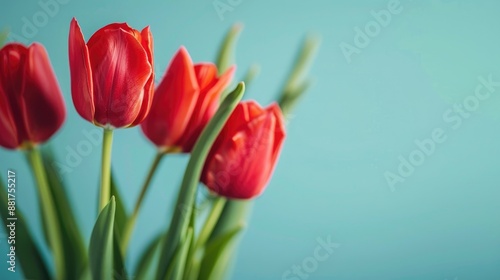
<point>393,154</point>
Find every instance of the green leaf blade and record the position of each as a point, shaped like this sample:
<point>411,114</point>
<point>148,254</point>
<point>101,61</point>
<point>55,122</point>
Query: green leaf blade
<point>144,268</point>
<point>226,55</point>
<point>121,215</point>
<point>215,260</point>
<point>179,263</point>
<point>101,243</point>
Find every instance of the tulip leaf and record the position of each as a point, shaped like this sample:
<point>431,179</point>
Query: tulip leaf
<point>3,37</point>
<point>192,268</point>
<point>144,268</point>
<point>101,243</point>
<point>226,56</point>
<point>73,245</point>
<point>301,66</point>
<point>176,269</point>
<point>236,212</point>
<point>27,251</point>
<point>288,101</point>
<point>119,271</point>
<point>119,225</point>
<point>227,50</point>
<point>215,261</point>
<point>121,216</point>
<point>186,197</point>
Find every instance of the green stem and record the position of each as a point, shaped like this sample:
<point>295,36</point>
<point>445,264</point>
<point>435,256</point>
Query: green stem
<point>48,211</point>
<point>226,54</point>
<point>107,141</point>
<point>210,222</point>
<point>302,64</point>
<point>129,227</point>
<point>205,233</point>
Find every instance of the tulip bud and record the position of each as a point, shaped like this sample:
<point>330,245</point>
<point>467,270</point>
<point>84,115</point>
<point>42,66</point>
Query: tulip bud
<point>242,158</point>
<point>31,104</point>
<point>112,75</point>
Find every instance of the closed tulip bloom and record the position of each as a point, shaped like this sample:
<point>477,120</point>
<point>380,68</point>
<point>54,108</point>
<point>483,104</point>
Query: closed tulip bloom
<point>242,158</point>
<point>112,78</point>
<point>31,104</point>
<point>185,100</point>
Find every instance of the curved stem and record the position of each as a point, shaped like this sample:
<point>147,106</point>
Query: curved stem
<point>107,141</point>
<point>48,211</point>
<point>210,222</point>
<point>129,227</point>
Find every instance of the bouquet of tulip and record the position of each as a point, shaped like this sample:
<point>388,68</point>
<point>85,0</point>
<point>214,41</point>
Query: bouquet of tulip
<point>196,109</point>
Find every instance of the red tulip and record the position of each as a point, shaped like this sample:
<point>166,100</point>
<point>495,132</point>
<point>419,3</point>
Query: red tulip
<point>31,105</point>
<point>242,158</point>
<point>184,102</point>
<point>112,76</point>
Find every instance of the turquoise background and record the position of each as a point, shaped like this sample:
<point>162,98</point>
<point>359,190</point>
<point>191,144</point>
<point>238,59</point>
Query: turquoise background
<point>442,222</point>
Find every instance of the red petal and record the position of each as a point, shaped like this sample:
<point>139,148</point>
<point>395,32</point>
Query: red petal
<point>173,103</point>
<point>8,131</point>
<point>242,114</point>
<point>147,101</point>
<point>12,61</point>
<point>210,94</point>
<point>208,102</point>
<point>238,119</point>
<point>279,130</point>
<point>242,165</point>
<point>81,81</point>
<point>97,36</point>
<point>44,109</point>
<point>120,71</point>
<point>147,44</point>
<point>206,74</point>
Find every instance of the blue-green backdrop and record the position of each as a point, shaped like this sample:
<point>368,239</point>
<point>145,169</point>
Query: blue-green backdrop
<point>374,97</point>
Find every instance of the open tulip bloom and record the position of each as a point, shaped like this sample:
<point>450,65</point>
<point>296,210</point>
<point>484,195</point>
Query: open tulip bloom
<point>233,148</point>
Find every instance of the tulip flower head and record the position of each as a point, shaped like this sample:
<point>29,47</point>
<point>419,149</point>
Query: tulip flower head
<point>242,158</point>
<point>31,104</point>
<point>112,77</point>
<point>185,100</point>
